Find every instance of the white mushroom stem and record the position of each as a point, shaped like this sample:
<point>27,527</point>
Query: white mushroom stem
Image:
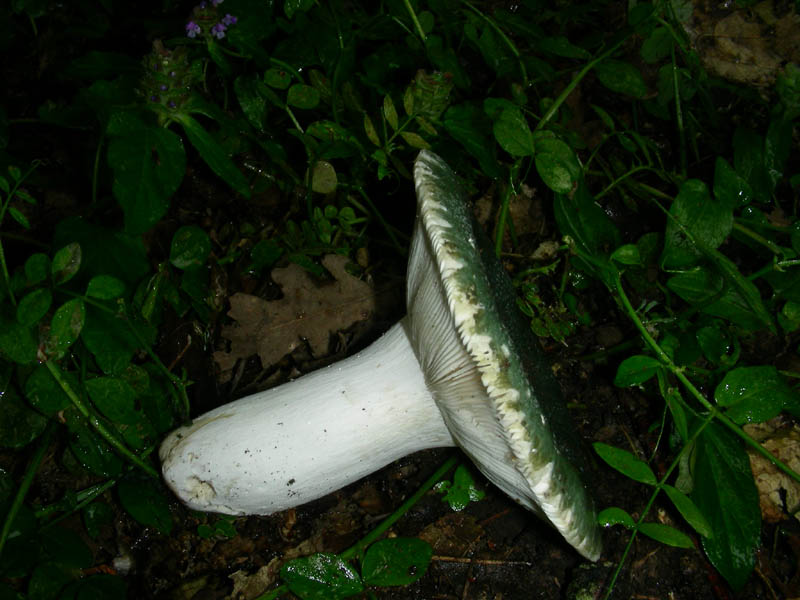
<point>300,441</point>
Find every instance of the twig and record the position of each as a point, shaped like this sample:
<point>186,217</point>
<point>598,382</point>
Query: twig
<point>481,561</point>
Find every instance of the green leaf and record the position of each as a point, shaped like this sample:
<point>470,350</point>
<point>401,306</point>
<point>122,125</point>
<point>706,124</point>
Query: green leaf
<point>145,502</point>
<point>149,164</point>
<point>676,408</point>
<point>696,219</point>
<point>755,394</point>
<point>323,177</point>
<point>44,392</point>
<point>467,124</point>
<point>23,195</point>
<point>750,162</point>
<point>666,535</point>
<point>512,133</point>
<point>689,511</point>
<point>777,148</point>
<point>591,231</point>
<point>290,7</point>
<point>389,112</point>
<point>725,492</point>
<point>65,327</point>
<point>626,463</point>
<point>16,341</point>
<point>280,79</point>
<point>190,247</point>
<point>561,46</point>
<point>115,398</point>
<point>369,129</point>
<point>34,306</point>
<point>729,187</point>
<point>111,340</point>
<point>557,164</point>
<point>105,287</point>
<point>91,451</point>
<point>635,370</point>
<point>742,287</point>
<point>253,101</point>
<point>715,344</point>
<point>657,45</point>
<point>37,268</point>
<point>728,305</point>
<point>414,140</point>
<point>627,254</point>
<point>19,424</point>
<point>19,217</point>
<point>615,516</point>
<point>396,561</point>
<point>428,96</point>
<point>321,577</point>
<point>303,96</point>
<point>264,255</point>
<point>66,263</point>
<point>462,491</point>
<point>214,155</point>
<point>621,77</point>
<point>105,251</point>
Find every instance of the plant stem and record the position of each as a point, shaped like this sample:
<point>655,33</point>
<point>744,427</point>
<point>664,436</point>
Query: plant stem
<point>27,480</point>
<point>415,20</point>
<point>96,424</point>
<point>679,114</point>
<point>503,37</point>
<point>3,208</point>
<point>357,549</point>
<point>681,376</point>
<point>562,97</point>
<point>676,461</point>
<point>500,228</point>
<point>769,244</point>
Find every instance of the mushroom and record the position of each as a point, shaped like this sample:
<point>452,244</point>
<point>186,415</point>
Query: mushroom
<point>461,368</point>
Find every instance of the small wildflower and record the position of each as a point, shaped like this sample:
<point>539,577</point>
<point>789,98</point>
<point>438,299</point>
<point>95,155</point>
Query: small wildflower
<point>202,6</point>
<point>229,20</point>
<point>218,31</point>
<point>163,87</point>
<point>216,2</point>
<point>171,104</point>
<point>172,73</point>
<point>153,98</point>
<point>192,29</point>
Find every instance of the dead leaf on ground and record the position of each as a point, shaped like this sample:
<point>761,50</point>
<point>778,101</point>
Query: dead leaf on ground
<point>778,494</point>
<point>308,311</point>
<point>749,45</point>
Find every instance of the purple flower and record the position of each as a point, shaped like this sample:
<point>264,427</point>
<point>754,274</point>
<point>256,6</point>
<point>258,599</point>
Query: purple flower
<point>216,2</point>
<point>154,98</point>
<point>192,29</point>
<point>171,104</point>
<point>218,31</point>
<point>202,6</point>
<point>163,87</point>
<point>172,73</point>
<point>229,20</point>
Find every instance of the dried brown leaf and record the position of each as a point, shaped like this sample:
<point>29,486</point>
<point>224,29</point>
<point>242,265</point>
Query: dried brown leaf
<point>308,311</point>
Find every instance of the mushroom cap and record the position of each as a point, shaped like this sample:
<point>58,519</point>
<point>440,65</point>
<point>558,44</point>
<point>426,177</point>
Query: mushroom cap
<point>483,366</point>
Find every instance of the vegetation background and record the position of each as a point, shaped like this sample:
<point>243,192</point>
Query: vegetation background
<point>634,163</point>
